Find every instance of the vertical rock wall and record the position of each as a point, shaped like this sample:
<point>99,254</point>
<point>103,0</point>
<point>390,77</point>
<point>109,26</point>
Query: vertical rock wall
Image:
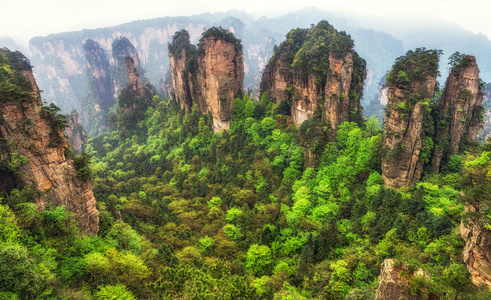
<point>30,137</point>
<point>460,111</point>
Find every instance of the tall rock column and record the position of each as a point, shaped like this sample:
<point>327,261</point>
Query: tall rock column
<point>407,148</point>
<point>220,76</point>
<point>460,111</point>
<point>179,51</point>
<point>314,69</point>
<point>100,95</point>
<point>32,137</point>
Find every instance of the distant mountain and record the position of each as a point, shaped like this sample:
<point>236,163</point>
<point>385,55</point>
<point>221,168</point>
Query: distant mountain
<point>61,65</point>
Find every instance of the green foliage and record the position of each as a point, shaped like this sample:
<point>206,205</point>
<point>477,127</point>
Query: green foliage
<point>220,33</point>
<point>118,292</point>
<point>321,41</point>
<point>415,65</point>
<point>82,164</point>
<point>56,120</point>
<point>18,272</point>
<point>259,259</point>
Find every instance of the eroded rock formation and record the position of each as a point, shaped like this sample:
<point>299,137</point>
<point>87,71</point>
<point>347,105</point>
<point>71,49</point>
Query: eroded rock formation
<point>133,77</point>
<point>393,286</point>
<point>122,48</point>
<point>212,77</point>
<point>317,68</point>
<point>179,50</point>
<point>34,144</point>
<point>406,146</point>
<point>460,111</point>
<point>101,92</point>
<point>477,249</point>
<point>75,133</point>
<point>219,80</point>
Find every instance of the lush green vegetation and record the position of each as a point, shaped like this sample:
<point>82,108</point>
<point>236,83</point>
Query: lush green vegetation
<point>321,42</point>
<point>221,33</point>
<point>244,214</point>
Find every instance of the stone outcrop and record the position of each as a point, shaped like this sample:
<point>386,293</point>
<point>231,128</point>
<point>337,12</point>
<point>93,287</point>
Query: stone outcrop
<point>317,68</point>
<point>122,49</point>
<point>477,249</point>
<point>277,76</point>
<point>219,79</point>
<point>134,98</point>
<point>100,97</point>
<point>75,133</point>
<point>210,77</point>
<point>180,51</point>
<point>460,111</point>
<point>180,80</point>
<point>406,147</point>
<point>34,144</point>
<point>133,77</point>
<point>393,286</point>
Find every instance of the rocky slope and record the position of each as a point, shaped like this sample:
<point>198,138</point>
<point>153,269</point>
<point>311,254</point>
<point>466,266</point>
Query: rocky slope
<point>460,111</point>
<point>75,133</point>
<point>406,145</point>
<point>317,68</point>
<point>392,286</point>
<point>476,253</point>
<point>101,91</point>
<point>33,146</point>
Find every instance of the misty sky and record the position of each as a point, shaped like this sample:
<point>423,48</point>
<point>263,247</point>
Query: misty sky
<point>23,19</point>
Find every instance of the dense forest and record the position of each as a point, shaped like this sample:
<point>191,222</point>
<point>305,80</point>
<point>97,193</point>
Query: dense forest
<point>249,213</point>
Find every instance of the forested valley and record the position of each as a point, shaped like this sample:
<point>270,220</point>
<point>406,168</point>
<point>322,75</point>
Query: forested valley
<point>272,207</point>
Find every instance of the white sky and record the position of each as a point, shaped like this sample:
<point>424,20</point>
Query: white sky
<point>24,19</point>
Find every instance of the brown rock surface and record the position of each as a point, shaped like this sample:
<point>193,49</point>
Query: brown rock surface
<point>393,287</point>
<point>219,80</point>
<point>133,77</point>
<point>277,78</point>
<point>477,250</point>
<point>75,133</point>
<point>460,106</point>
<point>180,80</point>
<point>27,135</point>
<point>403,135</point>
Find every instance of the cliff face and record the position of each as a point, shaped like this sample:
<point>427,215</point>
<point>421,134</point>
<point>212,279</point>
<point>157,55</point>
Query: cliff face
<point>277,77</point>
<point>406,146</point>
<point>33,136</point>
<point>123,49</point>
<point>219,79</point>
<point>317,68</point>
<point>460,110</point>
<point>179,80</point>
<point>393,287</point>
<point>305,100</point>
<point>133,99</point>
<point>133,77</point>
<point>210,76</point>
<point>100,95</point>
<point>477,250</point>
<point>179,51</point>
<point>75,133</point>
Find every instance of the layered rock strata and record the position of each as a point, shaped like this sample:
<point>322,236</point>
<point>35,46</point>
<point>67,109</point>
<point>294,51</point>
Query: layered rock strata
<point>406,145</point>
<point>460,111</point>
<point>317,69</point>
<point>212,77</point>
<point>34,143</point>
